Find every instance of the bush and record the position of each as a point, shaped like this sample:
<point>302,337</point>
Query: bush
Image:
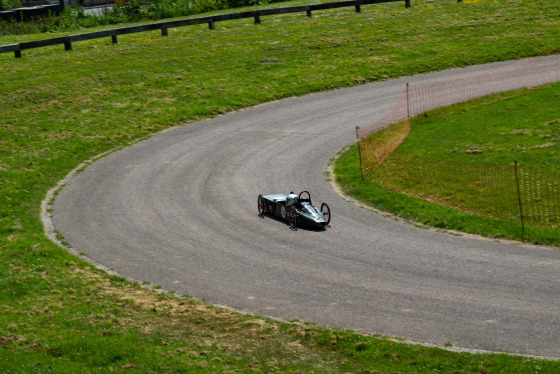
<point>127,10</point>
<point>176,8</point>
<point>10,4</point>
<point>123,11</point>
<point>242,3</point>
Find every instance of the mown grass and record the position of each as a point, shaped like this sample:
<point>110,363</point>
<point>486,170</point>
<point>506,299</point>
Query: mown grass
<point>498,129</point>
<point>348,176</point>
<point>522,125</point>
<point>59,109</point>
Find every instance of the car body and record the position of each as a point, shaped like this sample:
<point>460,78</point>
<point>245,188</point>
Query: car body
<point>296,209</point>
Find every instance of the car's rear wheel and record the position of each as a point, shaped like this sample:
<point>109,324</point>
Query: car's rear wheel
<point>292,217</point>
<point>260,205</point>
<point>326,211</point>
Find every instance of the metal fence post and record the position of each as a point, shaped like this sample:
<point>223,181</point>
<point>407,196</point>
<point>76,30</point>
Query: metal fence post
<point>359,152</point>
<point>407,104</point>
<point>520,204</point>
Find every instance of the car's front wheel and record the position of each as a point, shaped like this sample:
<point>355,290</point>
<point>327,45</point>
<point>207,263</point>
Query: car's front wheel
<point>326,211</point>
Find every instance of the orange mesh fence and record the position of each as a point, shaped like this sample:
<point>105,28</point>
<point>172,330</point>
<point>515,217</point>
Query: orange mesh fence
<point>452,184</point>
<point>511,193</point>
<point>527,73</point>
<point>540,196</point>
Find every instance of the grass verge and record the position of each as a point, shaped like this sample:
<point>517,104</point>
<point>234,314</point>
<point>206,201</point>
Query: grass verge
<point>349,178</point>
<point>521,125</point>
<point>59,109</point>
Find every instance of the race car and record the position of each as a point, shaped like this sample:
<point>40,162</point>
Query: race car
<point>296,209</point>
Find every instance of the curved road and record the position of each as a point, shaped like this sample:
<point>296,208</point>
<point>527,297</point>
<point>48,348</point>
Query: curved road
<point>179,210</point>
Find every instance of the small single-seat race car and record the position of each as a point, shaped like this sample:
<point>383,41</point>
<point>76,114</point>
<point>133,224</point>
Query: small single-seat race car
<point>296,209</point>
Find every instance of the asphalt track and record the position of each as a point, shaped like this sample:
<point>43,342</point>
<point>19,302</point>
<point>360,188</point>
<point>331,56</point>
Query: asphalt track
<point>179,210</point>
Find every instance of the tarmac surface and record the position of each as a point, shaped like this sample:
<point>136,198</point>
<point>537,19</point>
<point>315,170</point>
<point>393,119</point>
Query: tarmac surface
<point>180,210</point>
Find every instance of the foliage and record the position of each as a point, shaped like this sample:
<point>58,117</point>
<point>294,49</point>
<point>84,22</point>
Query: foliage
<point>176,8</point>
<point>127,11</point>
<point>242,3</point>
<point>10,4</point>
<point>123,11</point>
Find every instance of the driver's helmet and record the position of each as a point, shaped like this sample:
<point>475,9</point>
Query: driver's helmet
<point>291,199</point>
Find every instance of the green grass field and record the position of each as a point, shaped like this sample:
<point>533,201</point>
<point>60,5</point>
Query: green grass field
<point>523,125</point>
<point>493,131</point>
<point>59,109</point>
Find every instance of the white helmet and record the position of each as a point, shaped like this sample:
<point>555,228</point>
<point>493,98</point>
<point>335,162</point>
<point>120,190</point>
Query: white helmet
<point>291,199</point>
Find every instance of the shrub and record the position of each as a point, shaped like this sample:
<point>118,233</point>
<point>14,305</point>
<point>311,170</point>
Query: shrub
<point>123,11</point>
<point>10,4</point>
<point>127,10</point>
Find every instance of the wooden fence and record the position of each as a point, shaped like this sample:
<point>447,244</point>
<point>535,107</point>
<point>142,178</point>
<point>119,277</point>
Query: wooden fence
<point>164,26</point>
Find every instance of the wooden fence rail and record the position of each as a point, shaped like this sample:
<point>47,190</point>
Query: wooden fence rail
<point>210,20</point>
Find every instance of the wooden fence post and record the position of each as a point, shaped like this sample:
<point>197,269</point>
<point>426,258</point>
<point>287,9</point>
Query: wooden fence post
<point>407,3</point>
<point>164,31</point>
<point>257,18</point>
<point>359,7</point>
<point>114,39</point>
<point>67,44</point>
<point>211,25</point>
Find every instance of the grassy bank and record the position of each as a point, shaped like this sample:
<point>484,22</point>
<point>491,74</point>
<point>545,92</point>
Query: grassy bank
<point>495,130</point>
<point>348,176</point>
<point>61,108</point>
<point>522,125</point>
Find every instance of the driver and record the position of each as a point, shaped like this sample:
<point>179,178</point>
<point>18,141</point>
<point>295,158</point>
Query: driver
<point>291,199</point>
